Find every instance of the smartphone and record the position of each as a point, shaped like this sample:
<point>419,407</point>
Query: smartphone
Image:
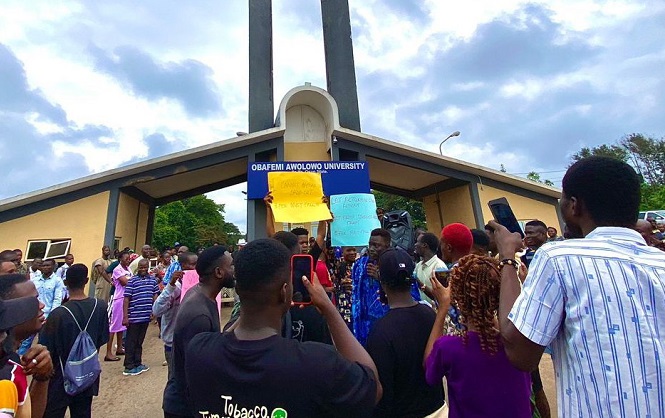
<point>442,274</point>
<point>301,265</point>
<point>504,215</point>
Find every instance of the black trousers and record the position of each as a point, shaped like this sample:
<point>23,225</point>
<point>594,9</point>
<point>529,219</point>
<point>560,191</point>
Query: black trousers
<point>79,407</point>
<point>134,344</point>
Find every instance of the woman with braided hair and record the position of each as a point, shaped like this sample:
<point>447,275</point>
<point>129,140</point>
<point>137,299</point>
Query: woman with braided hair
<point>481,380</point>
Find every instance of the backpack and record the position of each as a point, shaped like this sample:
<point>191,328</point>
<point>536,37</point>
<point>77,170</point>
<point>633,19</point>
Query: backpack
<point>82,367</point>
<point>398,223</point>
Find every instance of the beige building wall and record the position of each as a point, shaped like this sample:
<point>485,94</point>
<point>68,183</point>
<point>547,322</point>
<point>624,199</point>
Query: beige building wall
<point>525,209</point>
<point>456,206</point>
<point>132,222</point>
<point>83,221</point>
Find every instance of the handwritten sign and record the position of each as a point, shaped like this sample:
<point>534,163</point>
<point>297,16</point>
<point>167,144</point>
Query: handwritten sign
<point>355,218</point>
<point>297,197</point>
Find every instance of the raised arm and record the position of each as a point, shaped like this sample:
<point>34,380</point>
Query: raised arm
<point>442,296</point>
<point>270,217</point>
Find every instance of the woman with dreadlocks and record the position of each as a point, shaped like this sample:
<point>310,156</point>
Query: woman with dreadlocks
<point>481,380</point>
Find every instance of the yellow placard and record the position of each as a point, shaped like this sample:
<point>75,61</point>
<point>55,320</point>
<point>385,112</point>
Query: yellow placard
<point>297,197</point>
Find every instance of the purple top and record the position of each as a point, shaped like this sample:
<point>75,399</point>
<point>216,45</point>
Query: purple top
<point>479,384</point>
<point>118,272</point>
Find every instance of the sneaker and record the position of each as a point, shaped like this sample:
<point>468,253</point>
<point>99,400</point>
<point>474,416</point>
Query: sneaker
<point>132,372</point>
<point>143,368</point>
<point>165,363</point>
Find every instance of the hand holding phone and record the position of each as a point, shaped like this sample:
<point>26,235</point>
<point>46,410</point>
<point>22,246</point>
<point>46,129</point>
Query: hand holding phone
<point>504,215</point>
<point>301,265</point>
<point>442,274</point>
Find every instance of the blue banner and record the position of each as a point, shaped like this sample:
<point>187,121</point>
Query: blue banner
<point>355,218</point>
<point>339,177</point>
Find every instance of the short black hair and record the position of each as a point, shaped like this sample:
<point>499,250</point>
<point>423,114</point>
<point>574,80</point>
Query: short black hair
<point>480,238</point>
<point>50,260</point>
<point>431,240</point>
<point>300,231</point>
<point>208,260</point>
<point>77,276</point>
<point>383,233</point>
<point>7,255</point>
<point>260,267</point>
<point>609,189</point>
<point>289,239</point>
<point>7,283</point>
<point>537,223</point>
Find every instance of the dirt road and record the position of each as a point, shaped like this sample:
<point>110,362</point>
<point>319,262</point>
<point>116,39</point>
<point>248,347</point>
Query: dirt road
<point>141,396</point>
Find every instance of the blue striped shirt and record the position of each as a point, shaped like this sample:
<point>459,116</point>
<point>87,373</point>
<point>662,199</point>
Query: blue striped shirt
<point>600,303</point>
<point>140,290</point>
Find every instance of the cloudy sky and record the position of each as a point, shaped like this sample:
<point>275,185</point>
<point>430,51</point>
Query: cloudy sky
<point>86,86</point>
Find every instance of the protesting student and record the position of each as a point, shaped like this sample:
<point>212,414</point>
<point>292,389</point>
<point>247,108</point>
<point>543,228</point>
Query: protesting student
<point>254,368</point>
<point>140,293</point>
<point>481,381</point>
<point>198,312</point>
<point>120,278</point>
<point>397,343</point>
<point>59,334</point>
<point>166,307</point>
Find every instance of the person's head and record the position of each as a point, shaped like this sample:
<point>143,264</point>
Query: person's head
<point>77,277</point>
<point>349,254</point>
<point>47,267</point>
<point>19,255</point>
<point>37,264</point>
<point>380,213</point>
<point>644,228</point>
<point>106,251</point>
<point>124,259</point>
<point>456,242</point>
<point>69,259</point>
<point>475,284</point>
<point>653,223</point>
<point>600,191</point>
<point>215,267</point>
<point>379,241</point>
<point>330,253</point>
<point>9,255</point>
<point>552,232</point>
<point>395,271</point>
<point>303,239</point>
<point>263,276</point>
<point>489,231</point>
<point>7,267</point>
<point>146,251</point>
<point>182,249</point>
<point>426,245</point>
<point>166,258</point>
<point>188,261</point>
<point>18,286</point>
<point>289,239</point>
<point>143,267</point>
<point>535,234</point>
<point>481,242</point>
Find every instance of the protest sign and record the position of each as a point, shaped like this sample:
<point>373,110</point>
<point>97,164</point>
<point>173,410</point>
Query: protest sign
<point>355,218</point>
<point>297,197</point>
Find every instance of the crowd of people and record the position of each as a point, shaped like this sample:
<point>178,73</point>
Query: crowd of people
<point>455,328</point>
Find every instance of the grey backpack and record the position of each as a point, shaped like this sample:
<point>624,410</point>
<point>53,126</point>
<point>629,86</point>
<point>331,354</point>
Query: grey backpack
<point>82,367</point>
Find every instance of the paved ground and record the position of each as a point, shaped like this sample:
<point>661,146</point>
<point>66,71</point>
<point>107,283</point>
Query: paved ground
<point>141,396</point>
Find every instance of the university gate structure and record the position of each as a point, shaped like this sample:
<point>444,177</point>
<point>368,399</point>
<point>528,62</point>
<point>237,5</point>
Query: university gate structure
<point>117,207</point>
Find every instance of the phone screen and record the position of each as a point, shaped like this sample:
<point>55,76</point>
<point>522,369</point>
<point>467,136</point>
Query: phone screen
<point>505,216</point>
<point>301,266</point>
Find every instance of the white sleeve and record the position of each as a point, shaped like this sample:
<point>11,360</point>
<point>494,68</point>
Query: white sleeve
<point>539,309</point>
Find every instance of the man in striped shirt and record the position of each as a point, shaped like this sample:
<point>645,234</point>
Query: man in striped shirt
<point>599,301</point>
<point>140,294</point>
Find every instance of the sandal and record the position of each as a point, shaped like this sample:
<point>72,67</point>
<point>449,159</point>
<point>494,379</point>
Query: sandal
<point>111,359</point>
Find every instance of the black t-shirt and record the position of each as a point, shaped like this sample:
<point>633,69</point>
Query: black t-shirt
<point>226,376</point>
<point>197,314</point>
<point>397,345</point>
<point>307,324</point>
<point>59,334</point>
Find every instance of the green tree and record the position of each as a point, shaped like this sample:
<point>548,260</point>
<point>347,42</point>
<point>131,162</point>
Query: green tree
<point>646,155</point>
<point>391,202</point>
<point>533,176</point>
<point>194,222</point>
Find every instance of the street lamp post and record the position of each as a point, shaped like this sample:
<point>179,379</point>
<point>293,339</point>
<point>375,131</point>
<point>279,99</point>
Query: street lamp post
<point>456,133</point>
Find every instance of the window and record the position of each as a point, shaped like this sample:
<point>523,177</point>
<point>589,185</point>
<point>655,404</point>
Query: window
<point>116,244</point>
<point>47,248</point>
